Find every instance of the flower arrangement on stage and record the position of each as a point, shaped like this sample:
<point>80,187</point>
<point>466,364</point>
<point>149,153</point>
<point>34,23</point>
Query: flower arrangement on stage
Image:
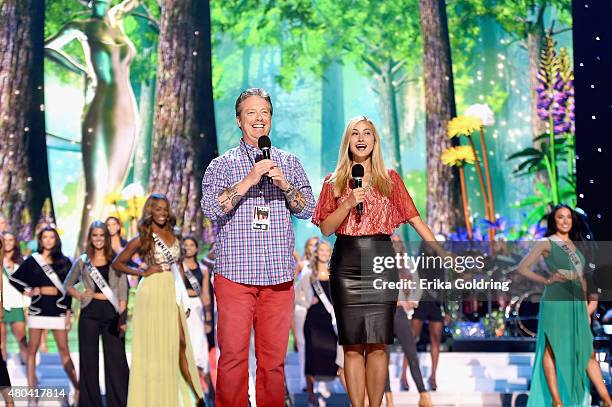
<point>556,145</point>
<point>127,206</point>
<point>459,157</point>
<point>476,117</point>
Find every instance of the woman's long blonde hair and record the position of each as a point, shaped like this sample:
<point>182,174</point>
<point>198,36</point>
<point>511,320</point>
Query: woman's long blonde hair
<point>314,260</point>
<point>380,178</point>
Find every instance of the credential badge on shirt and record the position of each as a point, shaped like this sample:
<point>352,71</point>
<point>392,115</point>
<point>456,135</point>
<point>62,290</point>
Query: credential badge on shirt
<point>261,218</point>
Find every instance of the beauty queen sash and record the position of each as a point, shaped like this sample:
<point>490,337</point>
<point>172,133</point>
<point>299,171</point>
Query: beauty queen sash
<point>316,285</point>
<point>52,276</point>
<point>192,280</point>
<point>574,258</point>
<point>179,286</point>
<point>97,277</point>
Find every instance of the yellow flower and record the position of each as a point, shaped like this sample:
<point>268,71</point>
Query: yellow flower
<point>112,198</point>
<point>458,156</point>
<point>463,125</point>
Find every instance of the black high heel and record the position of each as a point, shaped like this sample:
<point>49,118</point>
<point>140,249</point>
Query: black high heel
<point>432,385</point>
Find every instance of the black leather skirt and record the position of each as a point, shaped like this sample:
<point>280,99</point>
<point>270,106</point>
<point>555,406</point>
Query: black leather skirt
<point>364,308</point>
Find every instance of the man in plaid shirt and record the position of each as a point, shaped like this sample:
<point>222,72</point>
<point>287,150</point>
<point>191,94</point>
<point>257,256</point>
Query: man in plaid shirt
<point>254,265</point>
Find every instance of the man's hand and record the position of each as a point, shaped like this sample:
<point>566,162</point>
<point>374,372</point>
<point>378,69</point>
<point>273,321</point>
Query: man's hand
<point>260,169</point>
<point>278,178</point>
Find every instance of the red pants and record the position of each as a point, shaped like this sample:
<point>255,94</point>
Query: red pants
<point>270,310</point>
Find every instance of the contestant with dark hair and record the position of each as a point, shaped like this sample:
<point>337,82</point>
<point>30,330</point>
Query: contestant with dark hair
<point>365,314</point>
<point>41,277</point>
<point>5,381</point>
<point>103,303</point>
<point>163,371</point>
<point>199,321</point>
<point>430,309</point>
<point>13,300</point>
<point>114,228</point>
<point>254,270</point>
<point>408,300</point>
<point>564,348</point>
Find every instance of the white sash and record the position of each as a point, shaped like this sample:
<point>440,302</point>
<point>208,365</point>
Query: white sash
<point>574,258</point>
<point>51,275</point>
<point>192,279</point>
<point>98,278</point>
<point>316,284</point>
<point>179,286</point>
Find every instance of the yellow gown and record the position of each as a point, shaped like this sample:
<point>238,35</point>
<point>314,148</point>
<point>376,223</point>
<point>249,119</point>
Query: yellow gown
<point>155,374</point>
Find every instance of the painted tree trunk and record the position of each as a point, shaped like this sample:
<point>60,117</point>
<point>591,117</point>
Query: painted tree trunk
<point>23,149</point>
<point>184,132</point>
<point>443,203</point>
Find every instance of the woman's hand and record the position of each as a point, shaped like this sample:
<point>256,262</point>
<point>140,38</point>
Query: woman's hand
<point>356,197</point>
<point>156,268</point>
<point>87,295</point>
<point>33,292</point>
<point>207,326</point>
<point>556,278</point>
<point>68,321</point>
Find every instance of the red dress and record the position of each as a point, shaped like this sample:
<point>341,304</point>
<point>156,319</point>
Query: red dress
<point>381,214</point>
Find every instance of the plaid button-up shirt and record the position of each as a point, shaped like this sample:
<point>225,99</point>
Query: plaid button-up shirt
<point>244,255</point>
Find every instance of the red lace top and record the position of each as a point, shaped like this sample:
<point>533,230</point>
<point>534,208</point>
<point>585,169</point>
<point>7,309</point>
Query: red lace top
<point>381,214</point>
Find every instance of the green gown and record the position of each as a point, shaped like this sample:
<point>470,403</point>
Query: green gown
<point>564,323</point>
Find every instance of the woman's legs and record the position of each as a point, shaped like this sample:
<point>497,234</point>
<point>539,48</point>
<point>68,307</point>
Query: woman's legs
<point>594,373</point>
<point>33,345</point>
<point>19,332</point>
<point>355,373</point>
<point>310,390</point>
<point>376,371</point>
<point>183,363</point>
<point>550,372</point>
<point>3,340</point>
<point>61,339</point>
<point>435,337</point>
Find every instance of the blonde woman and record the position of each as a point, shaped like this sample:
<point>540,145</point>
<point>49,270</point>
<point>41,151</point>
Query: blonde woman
<point>320,335</point>
<point>301,305</point>
<point>364,313</point>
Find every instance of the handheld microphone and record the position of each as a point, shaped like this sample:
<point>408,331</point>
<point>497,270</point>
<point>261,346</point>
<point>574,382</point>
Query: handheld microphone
<point>264,145</point>
<point>357,172</point>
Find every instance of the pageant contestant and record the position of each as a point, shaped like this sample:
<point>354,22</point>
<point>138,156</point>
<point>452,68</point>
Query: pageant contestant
<point>208,263</point>
<point>253,200</point>
<point>564,348</point>
<point>430,310</point>
<point>301,306</point>
<point>103,301</point>
<point>41,277</point>
<point>364,314</point>
<point>199,321</point>
<point>13,300</point>
<point>163,371</point>
<point>114,228</point>
<point>5,381</point>
<point>321,340</point>
<point>403,331</point>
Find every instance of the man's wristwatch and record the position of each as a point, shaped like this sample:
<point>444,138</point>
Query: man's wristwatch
<point>288,190</point>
